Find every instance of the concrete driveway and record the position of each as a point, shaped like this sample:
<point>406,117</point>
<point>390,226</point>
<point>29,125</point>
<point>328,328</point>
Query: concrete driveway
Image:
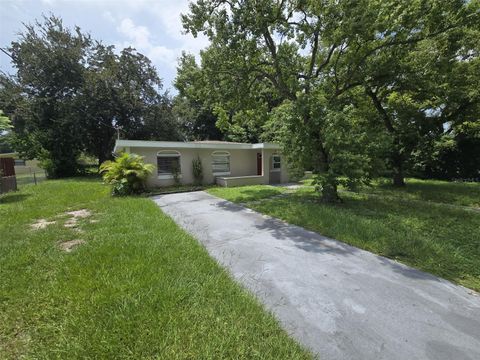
<point>338,300</point>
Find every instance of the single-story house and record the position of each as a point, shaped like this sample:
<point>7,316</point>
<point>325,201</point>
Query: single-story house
<point>224,163</point>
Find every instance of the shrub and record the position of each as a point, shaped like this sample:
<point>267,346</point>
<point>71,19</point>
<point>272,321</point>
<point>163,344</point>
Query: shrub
<point>176,173</point>
<point>127,173</point>
<point>197,171</point>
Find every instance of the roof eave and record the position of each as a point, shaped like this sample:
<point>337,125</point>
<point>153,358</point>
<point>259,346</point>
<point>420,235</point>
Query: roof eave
<point>190,145</point>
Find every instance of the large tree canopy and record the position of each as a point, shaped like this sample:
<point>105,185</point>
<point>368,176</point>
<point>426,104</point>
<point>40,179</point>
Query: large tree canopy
<point>307,68</point>
<point>72,94</point>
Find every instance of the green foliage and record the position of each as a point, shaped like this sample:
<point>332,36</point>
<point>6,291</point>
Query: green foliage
<point>127,173</point>
<point>192,105</point>
<point>176,173</point>
<point>196,121</point>
<point>342,67</point>
<point>49,61</point>
<point>71,93</point>
<point>5,123</point>
<point>197,171</point>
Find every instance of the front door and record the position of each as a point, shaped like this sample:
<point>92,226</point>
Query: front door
<point>275,169</point>
<point>259,163</point>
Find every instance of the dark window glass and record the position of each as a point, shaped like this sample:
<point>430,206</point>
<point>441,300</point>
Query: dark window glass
<point>167,164</point>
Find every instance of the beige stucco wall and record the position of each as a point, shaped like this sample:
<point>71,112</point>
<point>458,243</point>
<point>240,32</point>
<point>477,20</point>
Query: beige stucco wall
<point>242,163</point>
<point>240,181</point>
<point>267,165</point>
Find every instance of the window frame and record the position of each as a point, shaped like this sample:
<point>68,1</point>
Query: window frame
<point>169,154</point>
<point>273,162</point>
<point>221,153</point>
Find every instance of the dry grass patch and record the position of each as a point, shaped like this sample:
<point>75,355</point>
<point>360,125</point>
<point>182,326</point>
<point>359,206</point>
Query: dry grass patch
<point>41,224</point>
<point>68,246</point>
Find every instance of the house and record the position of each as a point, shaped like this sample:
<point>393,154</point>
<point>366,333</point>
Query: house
<point>224,163</point>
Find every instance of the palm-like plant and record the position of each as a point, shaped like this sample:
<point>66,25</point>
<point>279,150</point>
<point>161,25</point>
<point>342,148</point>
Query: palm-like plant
<point>127,173</point>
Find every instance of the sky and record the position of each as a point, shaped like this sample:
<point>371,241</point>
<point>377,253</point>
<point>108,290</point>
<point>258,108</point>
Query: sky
<point>153,27</point>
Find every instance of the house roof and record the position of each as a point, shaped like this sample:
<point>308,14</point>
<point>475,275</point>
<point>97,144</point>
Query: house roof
<point>193,145</point>
<point>215,142</point>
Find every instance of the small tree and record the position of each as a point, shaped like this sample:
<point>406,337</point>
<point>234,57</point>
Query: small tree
<point>4,122</point>
<point>176,173</point>
<point>197,171</point>
<point>127,174</point>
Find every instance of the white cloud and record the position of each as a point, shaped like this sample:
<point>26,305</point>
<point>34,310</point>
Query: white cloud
<point>109,16</point>
<point>140,38</point>
<point>153,27</point>
<point>139,35</point>
<point>169,13</point>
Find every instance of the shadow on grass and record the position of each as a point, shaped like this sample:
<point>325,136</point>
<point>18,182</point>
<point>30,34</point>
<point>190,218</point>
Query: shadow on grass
<point>466,194</point>
<point>313,242</point>
<point>428,236</point>
<point>304,239</point>
<point>249,194</point>
<point>12,197</point>
<point>229,206</point>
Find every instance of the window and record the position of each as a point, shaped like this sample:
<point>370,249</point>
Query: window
<point>168,162</point>
<point>19,162</point>
<point>221,163</point>
<point>276,163</point>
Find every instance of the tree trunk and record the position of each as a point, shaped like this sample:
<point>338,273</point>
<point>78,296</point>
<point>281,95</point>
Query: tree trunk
<point>398,176</point>
<point>397,161</point>
<point>330,194</point>
<point>398,179</point>
<point>328,181</point>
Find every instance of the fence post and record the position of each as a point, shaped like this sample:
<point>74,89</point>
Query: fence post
<point>34,178</point>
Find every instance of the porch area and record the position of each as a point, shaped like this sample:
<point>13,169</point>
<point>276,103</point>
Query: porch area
<point>267,169</point>
<point>231,181</point>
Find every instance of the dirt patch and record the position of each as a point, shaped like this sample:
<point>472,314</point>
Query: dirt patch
<point>75,216</point>
<point>68,246</point>
<point>79,214</point>
<point>41,224</point>
<point>71,223</point>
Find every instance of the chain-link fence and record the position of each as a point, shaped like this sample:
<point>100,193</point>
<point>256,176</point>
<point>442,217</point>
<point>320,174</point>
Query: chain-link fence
<point>29,175</point>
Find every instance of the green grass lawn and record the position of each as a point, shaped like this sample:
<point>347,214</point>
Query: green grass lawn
<point>247,193</point>
<point>138,287</point>
<point>431,236</point>
<point>453,193</point>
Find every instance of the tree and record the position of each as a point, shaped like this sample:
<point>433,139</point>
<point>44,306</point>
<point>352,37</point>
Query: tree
<point>420,89</point>
<point>192,105</point>
<point>122,91</point>
<point>72,95</point>
<point>311,56</point>
<point>197,122</point>
<point>49,60</point>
